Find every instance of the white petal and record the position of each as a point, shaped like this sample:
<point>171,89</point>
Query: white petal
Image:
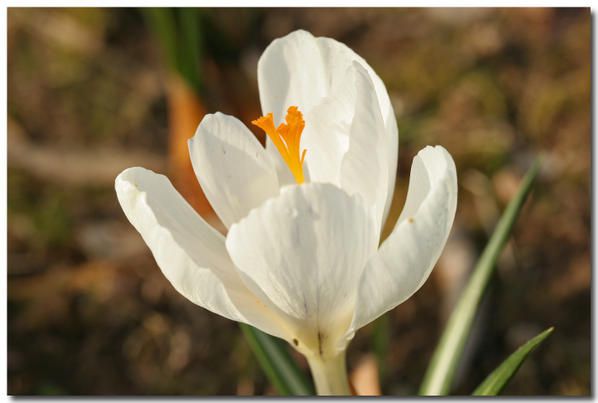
<point>306,250</point>
<point>364,166</point>
<point>232,167</point>
<point>326,135</point>
<point>291,72</point>
<point>305,71</point>
<point>406,258</point>
<point>338,57</point>
<point>189,252</point>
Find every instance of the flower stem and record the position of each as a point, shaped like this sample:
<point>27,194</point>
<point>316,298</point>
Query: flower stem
<point>330,375</point>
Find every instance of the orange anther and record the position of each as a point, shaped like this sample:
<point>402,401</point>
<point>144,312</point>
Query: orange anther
<point>287,139</point>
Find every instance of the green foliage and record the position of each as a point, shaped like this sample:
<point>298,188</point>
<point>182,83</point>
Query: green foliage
<point>179,34</point>
<point>439,376</point>
<point>498,379</point>
<point>280,368</point>
<point>381,344</point>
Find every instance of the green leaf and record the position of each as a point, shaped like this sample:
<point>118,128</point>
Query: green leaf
<point>498,379</point>
<point>189,51</point>
<point>277,363</point>
<point>179,33</point>
<point>439,376</point>
<point>381,344</point>
<point>162,22</point>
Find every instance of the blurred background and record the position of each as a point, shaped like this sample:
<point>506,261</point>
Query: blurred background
<point>93,91</point>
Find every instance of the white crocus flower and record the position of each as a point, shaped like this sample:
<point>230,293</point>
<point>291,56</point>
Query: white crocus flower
<point>301,259</point>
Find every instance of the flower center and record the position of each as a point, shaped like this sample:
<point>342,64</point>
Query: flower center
<point>287,137</point>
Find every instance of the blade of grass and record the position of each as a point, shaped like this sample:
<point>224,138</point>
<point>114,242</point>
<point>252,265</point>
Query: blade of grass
<point>498,379</point>
<point>274,358</point>
<point>179,33</point>
<point>189,51</point>
<point>440,372</point>
<point>161,22</point>
<point>381,343</point>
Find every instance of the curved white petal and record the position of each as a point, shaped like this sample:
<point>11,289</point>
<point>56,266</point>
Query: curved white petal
<point>310,72</point>
<point>232,167</point>
<point>291,72</point>
<point>405,260</point>
<point>326,136</point>
<point>338,57</point>
<point>306,250</point>
<point>364,166</point>
<point>189,252</point>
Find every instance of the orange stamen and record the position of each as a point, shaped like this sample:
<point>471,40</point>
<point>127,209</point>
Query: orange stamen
<point>287,138</point>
